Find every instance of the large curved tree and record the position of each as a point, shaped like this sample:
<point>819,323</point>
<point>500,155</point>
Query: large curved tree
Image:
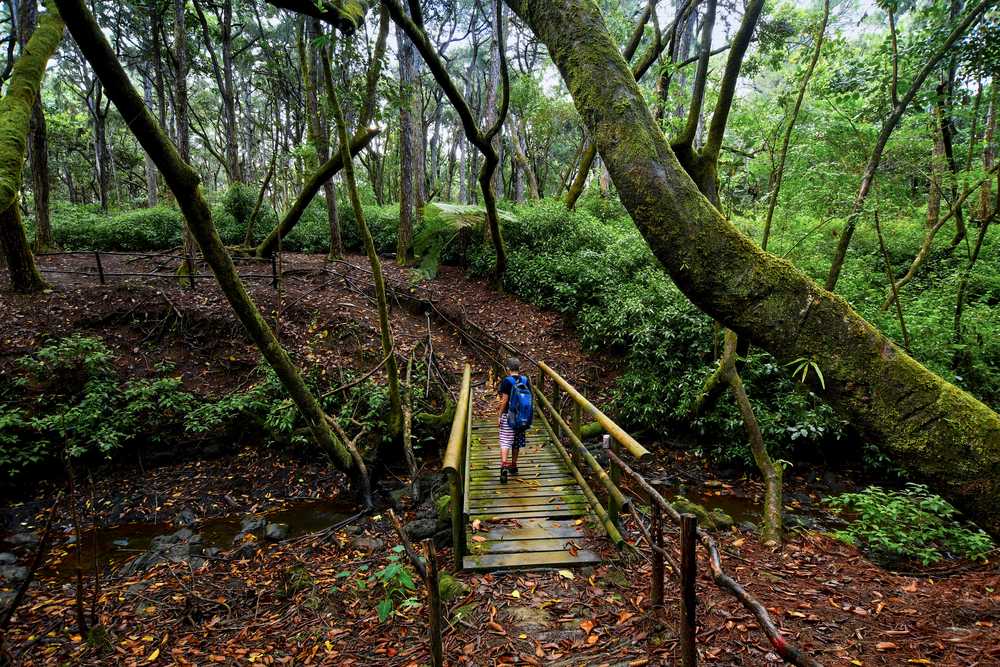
<point>931,428</point>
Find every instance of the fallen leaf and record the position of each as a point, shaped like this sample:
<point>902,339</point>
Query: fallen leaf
<point>153,656</point>
<point>587,626</point>
<point>566,574</point>
<point>885,646</point>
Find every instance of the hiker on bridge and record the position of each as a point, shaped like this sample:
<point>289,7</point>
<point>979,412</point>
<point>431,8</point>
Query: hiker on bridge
<point>516,410</point>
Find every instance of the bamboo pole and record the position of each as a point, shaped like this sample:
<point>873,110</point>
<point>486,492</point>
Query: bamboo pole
<point>613,429</point>
<point>613,491</point>
<point>588,493</point>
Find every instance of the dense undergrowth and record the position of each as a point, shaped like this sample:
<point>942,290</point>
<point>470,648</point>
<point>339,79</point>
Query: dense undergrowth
<point>67,402</point>
<point>592,265</point>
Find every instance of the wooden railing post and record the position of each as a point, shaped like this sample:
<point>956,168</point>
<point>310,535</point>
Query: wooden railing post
<point>100,267</point>
<point>577,419</point>
<point>434,597</point>
<point>689,596</point>
<point>555,407</point>
<point>615,473</point>
<point>656,532</point>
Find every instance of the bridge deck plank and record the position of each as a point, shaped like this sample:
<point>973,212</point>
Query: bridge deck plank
<point>540,518</point>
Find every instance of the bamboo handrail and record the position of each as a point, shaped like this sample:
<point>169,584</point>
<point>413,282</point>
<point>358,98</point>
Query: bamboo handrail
<point>588,493</point>
<point>613,491</point>
<point>453,454</point>
<point>613,429</point>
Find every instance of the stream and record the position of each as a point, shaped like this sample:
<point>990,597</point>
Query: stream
<point>187,538</point>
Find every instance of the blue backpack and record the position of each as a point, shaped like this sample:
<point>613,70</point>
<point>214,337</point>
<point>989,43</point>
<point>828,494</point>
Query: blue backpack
<point>520,407</point>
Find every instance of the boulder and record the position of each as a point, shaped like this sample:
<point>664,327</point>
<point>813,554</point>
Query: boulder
<point>421,529</point>
<point>7,558</point>
<point>27,537</point>
<point>252,523</point>
<point>185,518</point>
<point>275,532</point>
<point>13,572</point>
<point>709,520</point>
<point>365,543</point>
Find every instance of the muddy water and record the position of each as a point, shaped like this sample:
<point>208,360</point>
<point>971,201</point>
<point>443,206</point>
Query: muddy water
<point>109,548</point>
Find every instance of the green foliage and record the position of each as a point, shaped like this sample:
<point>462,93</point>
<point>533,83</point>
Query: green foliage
<point>67,400</point>
<point>442,223</point>
<point>911,524</point>
<point>601,273</point>
<point>396,583</point>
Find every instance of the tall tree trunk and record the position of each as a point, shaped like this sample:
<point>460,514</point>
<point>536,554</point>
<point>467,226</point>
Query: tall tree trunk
<point>38,142</point>
<point>779,170</point>
<point>493,88</point>
<point>102,155</point>
<point>181,128</point>
<point>229,95</point>
<point>321,64</point>
<point>23,89</point>
<point>152,186</point>
<point>934,430</point>
<point>388,348</point>
<point>989,153</point>
<point>410,173</point>
<point>937,171</point>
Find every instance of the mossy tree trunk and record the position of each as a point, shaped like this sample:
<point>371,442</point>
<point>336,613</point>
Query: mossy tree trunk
<point>184,183</point>
<point>38,143</point>
<point>16,109</point>
<point>932,429</point>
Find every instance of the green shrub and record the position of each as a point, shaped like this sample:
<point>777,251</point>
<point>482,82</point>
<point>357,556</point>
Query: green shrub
<point>140,230</point>
<point>911,524</point>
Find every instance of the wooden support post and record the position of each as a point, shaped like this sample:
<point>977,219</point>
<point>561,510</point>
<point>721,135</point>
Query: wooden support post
<point>189,261</point>
<point>274,270</point>
<point>689,596</point>
<point>100,267</point>
<point>457,518</point>
<point>656,532</point>
<point>434,597</point>
<point>577,419</point>
<point>555,407</point>
<point>615,473</point>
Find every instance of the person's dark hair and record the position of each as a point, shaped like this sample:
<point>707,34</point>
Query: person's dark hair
<point>513,364</point>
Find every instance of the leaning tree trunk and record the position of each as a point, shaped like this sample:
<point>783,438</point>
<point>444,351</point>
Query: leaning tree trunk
<point>932,429</point>
<point>16,108</point>
<point>184,182</point>
<point>312,185</point>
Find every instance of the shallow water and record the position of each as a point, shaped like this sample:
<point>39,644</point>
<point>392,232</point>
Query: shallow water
<point>110,547</point>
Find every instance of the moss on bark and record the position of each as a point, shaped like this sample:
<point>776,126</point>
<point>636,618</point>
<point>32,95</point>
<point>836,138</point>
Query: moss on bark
<point>15,122</point>
<point>937,432</point>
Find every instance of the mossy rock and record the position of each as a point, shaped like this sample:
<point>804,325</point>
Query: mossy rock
<point>685,506</point>
<point>443,507</point>
<point>722,520</point>
<point>450,588</point>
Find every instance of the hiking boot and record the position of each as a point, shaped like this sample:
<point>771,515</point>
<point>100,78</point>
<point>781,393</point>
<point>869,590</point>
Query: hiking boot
<point>513,470</point>
<point>503,475</point>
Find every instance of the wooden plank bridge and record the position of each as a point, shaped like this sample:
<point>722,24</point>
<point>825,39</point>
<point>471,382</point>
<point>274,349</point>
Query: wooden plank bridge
<point>545,516</point>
